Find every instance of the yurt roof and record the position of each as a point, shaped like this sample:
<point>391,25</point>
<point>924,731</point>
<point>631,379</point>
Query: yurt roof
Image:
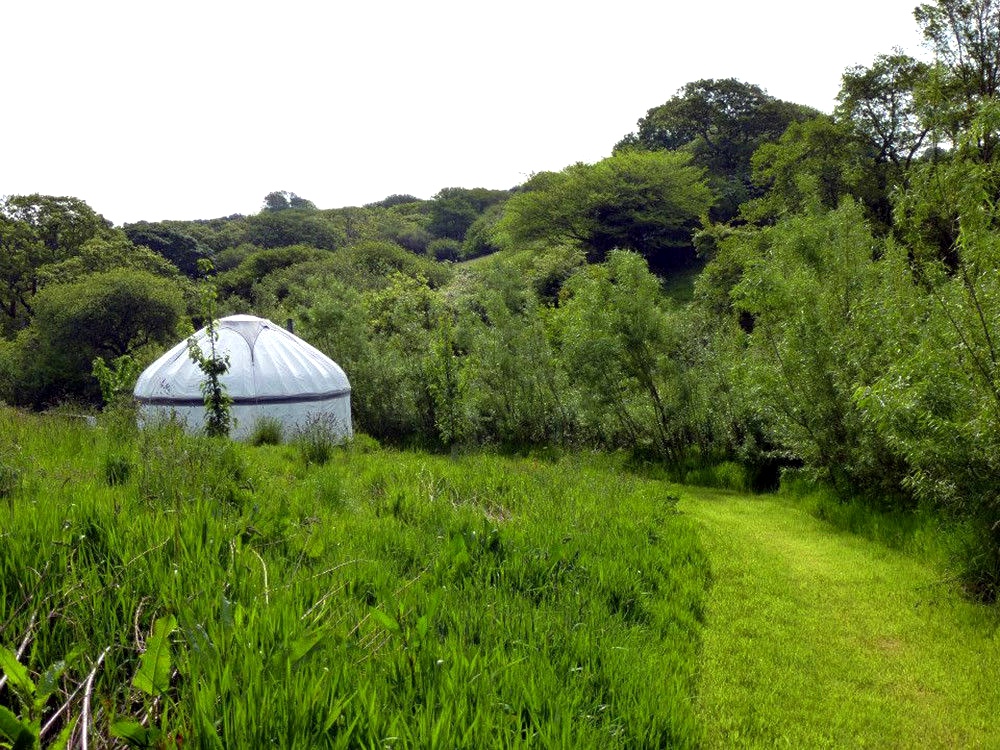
<point>267,364</point>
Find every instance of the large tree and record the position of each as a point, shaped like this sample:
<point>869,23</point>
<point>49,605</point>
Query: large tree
<point>965,37</point>
<point>646,201</point>
<point>37,230</point>
<point>880,105</point>
<point>878,101</point>
<point>721,122</point>
<point>281,200</point>
<point>103,314</point>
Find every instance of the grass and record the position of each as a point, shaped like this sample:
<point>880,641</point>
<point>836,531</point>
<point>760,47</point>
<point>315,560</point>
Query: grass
<point>244,596</point>
<point>819,638</point>
<point>234,595</point>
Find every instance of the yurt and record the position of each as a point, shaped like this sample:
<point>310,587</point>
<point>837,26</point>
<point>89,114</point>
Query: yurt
<point>272,373</point>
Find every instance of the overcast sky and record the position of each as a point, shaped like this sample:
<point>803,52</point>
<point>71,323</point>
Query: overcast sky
<point>198,108</point>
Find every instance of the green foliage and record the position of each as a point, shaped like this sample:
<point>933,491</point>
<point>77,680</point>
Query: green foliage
<point>117,469</point>
<point>180,248</point>
<point>213,364</point>
<point>11,477</point>
<point>282,200</point>
<point>938,401</point>
<point>255,267</point>
<point>111,314</point>
<point>721,123</point>
<point>445,249</point>
<point>294,226</point>
<point>153,675</point>
<point>482,238</point>
<point>511,389</point>
<point>317,440</point>
<point>820,162</point>
<point>118,380</point>
<point>880,102</point>
<point>965,37</point>
<point>36,231</point>
<point>396,199</point>
<point>817,297</point>
<point>648,202</point>
<point>616,337</point>
<point>453,210</point>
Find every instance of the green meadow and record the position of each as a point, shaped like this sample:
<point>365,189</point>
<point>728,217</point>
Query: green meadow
<point>158,589</point>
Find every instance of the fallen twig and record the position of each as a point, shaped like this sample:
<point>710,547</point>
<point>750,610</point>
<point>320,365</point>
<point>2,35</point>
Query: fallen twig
<point>85,715</point>
<point>52,719</point>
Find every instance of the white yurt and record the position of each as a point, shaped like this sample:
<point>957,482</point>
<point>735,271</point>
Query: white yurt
<point>272,373</point>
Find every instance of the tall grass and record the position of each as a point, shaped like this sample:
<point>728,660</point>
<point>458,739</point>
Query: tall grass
<point>247,596</point>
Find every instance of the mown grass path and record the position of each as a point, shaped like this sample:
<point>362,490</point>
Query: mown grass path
<point>817,638</point>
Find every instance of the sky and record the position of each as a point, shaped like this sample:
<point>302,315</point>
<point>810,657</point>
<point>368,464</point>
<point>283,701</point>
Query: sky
<point>194,109</point>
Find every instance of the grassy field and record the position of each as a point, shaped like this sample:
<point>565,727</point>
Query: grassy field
<point>819,638</point>
<point>159,589</point>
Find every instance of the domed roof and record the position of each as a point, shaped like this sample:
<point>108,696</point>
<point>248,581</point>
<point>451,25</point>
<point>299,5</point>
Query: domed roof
<point>267,364</point>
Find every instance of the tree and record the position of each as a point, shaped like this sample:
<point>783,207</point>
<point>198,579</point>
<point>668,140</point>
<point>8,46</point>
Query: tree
<point>107,314</point>
<point>281,200</point>
<point>178,247</point>
<point>36,230</point>
<point>817,297</point>
<point>615,339</point>
<point>453,210</point>
<point>108,251</point>
<point>396,199</point>
<point>646,201</point>
<point>817,162</point>
<point>253,269</point>
<point>721,123</point>
<point>965,36</point>
<point>879,103</point>
<point>292,227</point>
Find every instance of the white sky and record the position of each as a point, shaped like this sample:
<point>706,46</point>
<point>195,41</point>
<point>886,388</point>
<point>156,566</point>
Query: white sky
<point>198,108</point>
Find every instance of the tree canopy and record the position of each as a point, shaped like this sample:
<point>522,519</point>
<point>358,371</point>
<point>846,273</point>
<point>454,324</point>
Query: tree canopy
<point>721,123</point>
<point>646,201</point>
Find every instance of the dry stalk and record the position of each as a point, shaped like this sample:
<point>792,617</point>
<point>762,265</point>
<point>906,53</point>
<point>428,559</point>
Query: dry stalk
<point>88,691</point>
<point>267,598</point>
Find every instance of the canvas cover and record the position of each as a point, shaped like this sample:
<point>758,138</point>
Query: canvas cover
<point>272,373</point>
